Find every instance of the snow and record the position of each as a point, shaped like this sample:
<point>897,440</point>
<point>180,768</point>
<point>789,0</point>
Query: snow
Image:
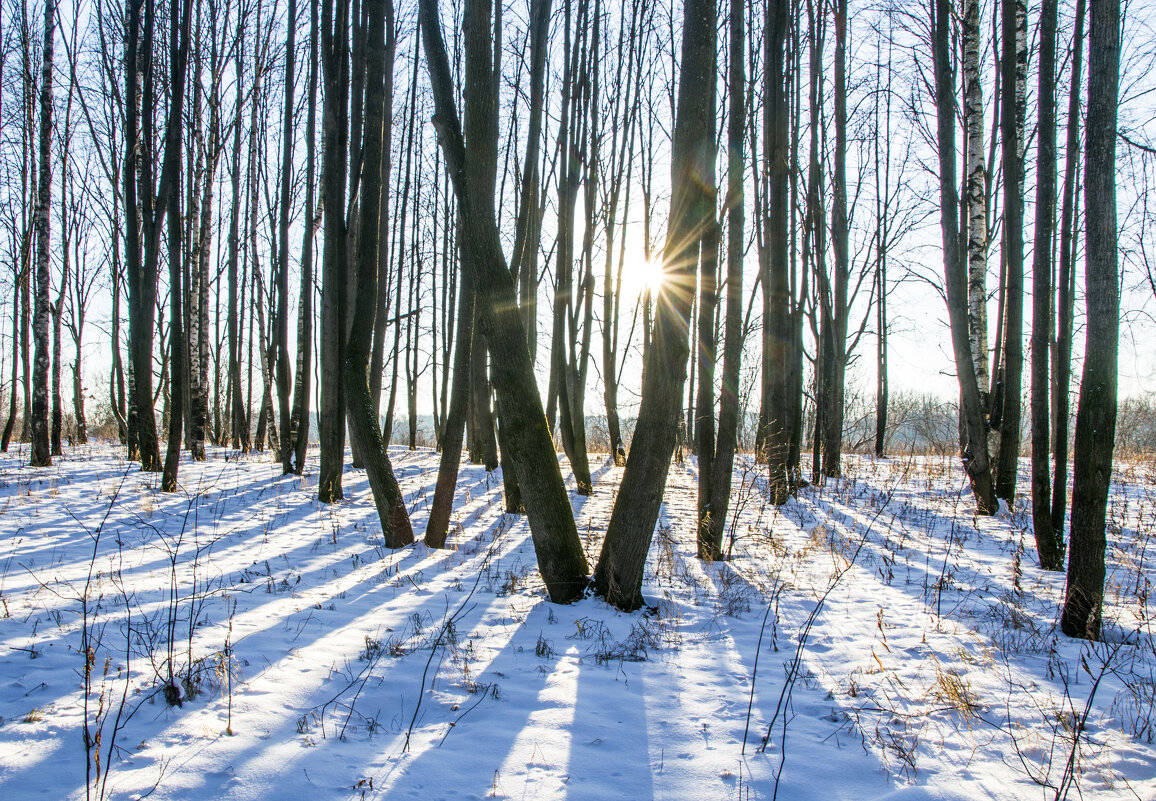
<point>892,644</point>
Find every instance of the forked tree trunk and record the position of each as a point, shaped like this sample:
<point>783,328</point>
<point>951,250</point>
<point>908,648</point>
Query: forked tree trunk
<point>1096,415</point>
<point>561,560</point>
<point>363,427</point>
<point>618,577</point>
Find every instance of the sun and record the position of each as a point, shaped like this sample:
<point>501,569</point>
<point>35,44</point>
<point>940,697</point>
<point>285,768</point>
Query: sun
<point>643,277</point>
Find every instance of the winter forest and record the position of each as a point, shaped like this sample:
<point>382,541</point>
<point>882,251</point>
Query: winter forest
<point>577,399</point>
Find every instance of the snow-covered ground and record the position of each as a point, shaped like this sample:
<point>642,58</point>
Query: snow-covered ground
<point>872,639</point>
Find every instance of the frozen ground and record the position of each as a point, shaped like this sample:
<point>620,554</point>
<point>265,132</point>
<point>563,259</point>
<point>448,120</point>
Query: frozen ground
<point>872,639</point>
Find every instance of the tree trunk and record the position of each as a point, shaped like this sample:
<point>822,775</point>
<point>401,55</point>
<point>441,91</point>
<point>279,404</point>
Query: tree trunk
<point>334,283</point>
<point>443,500</point>
<point>363,427</point>
<point>179,41</point>
<point>40,455</point>
<point>237,411</point>
<point>977,233</point>
<point>301,385</point>
<point>778,337</point>
<point>1046,546</point>
<point>618,576</point>
<point>281,326</point>
<point>974,428</point>
<point>1096,414</point>
<point>561,560</point>
<point>840,312</point>
<point>728,417</point>
<point>381,308</point>
<point>1011,134</point>
<point>1065,300</point>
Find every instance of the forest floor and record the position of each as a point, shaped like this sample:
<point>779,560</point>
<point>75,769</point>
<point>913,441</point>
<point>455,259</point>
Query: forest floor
<point>871,639</point>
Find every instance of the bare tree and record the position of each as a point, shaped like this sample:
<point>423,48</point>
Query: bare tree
<point>561,560</point>
<point>1096,415</point>
<point>363,427</point>
<point>618,576</point>
<point>1065,283</point>
<point>299,421</point>
<point>973,428</point>
<point>1051,558</point>
<point>1011,135</point>
<point>179,42</point>
<point>710,541</point>
<point>40,455</point>
<point>334,282</point>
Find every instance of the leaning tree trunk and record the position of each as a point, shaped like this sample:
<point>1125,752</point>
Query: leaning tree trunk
<point>1096,415</point>
<point>561,560</point>
<point>974,427</point>
<point>618,577</point>
<point>41,455</point>
<point>443,501</point>
<point>363,427</point>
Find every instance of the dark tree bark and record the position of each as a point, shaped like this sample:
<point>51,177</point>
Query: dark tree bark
<point>524,262</point>
<point>1096,413</point>
<point>363,427</point>
<point>443,501</point>
<point>567,356</point>
<point>1011,131</point>
<point>1065,280</point>
<point>334,283</point>
<point>301,385</point>
<point>171,178</point>
<point>381,310</point>
<point>561,560</point>
<point>838,316</point>
<point>281,326</point>
<point>40,455</point>
<point>882,195</point>
<point>618,577</point>
<point>237,408</point>
<point>974,427</point>
<point>778,331</point>
<point>1051,558</point>
<point>58,306</point>
<point>728,417</point>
